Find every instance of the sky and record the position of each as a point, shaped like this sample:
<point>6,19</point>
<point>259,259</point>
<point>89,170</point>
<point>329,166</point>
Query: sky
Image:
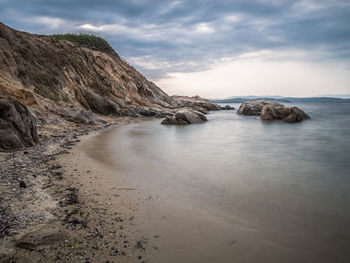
<point>214,49</point>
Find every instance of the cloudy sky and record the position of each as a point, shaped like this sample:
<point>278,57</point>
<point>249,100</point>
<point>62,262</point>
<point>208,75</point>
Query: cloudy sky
<point>212,48</point>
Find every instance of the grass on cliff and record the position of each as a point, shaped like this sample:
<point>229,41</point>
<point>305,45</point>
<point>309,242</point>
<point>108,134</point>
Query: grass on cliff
<point>87,40</point>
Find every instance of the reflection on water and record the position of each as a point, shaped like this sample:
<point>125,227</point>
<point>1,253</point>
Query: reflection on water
<point>279,192</point>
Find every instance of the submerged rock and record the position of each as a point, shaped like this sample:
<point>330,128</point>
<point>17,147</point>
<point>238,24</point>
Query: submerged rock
<point>185,117</point>
<point>17,125</point>
<point>286,114</point>
<point>227,107</point>
<point>254,107</point>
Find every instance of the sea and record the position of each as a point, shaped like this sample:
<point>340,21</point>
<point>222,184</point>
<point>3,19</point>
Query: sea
<point>239,189</point>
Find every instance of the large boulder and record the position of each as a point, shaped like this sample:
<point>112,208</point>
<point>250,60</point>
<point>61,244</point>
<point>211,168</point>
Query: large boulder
<point>286,114</point>
<point>17,125</point>
<point>254,107</point>
<point>100,104</point>
<point>185,117</point>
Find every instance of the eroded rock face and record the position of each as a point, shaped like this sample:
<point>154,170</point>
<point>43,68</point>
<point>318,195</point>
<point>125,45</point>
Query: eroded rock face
<point>254,107</point>
<point>185,117</point>
<point>50,75</point>
<point>17,125</point>
<point>286,114</point>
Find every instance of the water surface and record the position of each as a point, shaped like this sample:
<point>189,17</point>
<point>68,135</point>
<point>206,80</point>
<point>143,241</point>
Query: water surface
<point>237,189</point>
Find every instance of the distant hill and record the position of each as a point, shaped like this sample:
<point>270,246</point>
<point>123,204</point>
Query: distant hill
<point>279,99</point>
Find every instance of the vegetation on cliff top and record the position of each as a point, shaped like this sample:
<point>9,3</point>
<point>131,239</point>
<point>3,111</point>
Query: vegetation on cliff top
<point>87,40</point>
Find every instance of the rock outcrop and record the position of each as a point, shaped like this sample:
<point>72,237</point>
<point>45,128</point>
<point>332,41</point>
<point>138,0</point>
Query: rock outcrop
<point>48,75</point>
<point>63,83</point>
<point>202,105</point>
<point>285,114</point>
<point>270,110</point>
<point>185,116</point>
<point>254,107</point>
<point>17,125</point>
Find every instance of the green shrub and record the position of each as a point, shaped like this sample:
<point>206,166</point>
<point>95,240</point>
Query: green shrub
<point>87,40</point>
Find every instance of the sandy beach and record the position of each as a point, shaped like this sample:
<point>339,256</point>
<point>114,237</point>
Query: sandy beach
<point>68,211</point>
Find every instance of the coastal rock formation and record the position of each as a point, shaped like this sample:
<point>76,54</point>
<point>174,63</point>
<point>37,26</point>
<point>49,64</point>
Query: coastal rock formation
<point>17,125</point>
<point>254,107</point>
<point>286,114</point>
<point>50,76</point>
<point>202,105</point>
<point>185,116</point>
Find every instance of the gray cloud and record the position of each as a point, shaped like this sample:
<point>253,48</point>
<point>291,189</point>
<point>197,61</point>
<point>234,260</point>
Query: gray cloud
<point>166,36</point>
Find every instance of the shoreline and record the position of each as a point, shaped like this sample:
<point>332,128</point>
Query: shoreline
<point>60,213</point>
<point>102,197</point>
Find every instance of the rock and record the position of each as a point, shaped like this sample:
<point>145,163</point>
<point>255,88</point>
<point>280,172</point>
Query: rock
<point>99,104</point>
<point>146,112</point>
<point>17,125</point>
<point>59,80</point>
<point>286,114</point>
<point>22,184</point>
<point>227,107</point>
<point>254,107</point>
<point>75,115</point>
<point>185,117</point>
<point>40,237</point>
<point>195,103</point>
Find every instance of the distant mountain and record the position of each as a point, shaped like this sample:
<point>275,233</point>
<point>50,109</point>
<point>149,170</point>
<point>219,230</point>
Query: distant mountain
<point>240,99</point>
<point>339,96</point>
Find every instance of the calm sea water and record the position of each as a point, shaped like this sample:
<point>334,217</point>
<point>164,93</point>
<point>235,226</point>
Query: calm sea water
<point>253,191</point>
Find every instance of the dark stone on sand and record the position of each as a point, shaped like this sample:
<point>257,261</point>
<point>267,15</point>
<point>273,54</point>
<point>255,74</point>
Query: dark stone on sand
<point>38,238</point>
<point>56,166</point>
<point>22,184</point>
<point>58,173</point>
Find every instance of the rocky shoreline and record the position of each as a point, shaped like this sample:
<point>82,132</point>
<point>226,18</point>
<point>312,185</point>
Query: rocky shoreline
<point>46,216</point>
<point>54,93</point>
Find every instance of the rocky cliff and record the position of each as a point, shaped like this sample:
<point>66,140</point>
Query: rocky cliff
<point>62,82</point>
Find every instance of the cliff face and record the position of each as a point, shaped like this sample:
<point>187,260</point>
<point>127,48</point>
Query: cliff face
<point>60,80</point>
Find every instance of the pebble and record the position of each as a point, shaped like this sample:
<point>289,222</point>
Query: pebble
<point>22,184</point>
